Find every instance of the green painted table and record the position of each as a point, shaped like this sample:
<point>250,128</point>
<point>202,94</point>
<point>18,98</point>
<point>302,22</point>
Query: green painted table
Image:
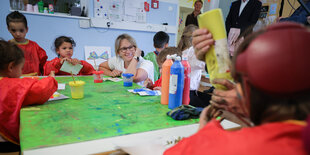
<point>107,110</point>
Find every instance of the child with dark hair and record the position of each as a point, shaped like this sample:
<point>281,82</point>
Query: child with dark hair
<point>35,56</point>
<point>160,40</point>
<point>64,49</point>
<point>16,92</point>
<point>161,58</point>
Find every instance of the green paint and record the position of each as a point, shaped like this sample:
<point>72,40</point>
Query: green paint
<point>106,110</point>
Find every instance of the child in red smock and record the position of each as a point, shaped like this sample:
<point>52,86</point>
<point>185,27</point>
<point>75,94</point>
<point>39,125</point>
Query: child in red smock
<point>276,103</point>
<point>16,93</point>
<point>35,56</point>
<point>64,49</point>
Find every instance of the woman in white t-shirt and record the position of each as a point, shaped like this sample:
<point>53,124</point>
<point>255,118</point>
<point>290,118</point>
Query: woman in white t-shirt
<point>128,60</point>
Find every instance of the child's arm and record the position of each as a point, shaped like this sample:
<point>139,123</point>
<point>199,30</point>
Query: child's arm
<point>41,91</point>
<point>87,68</point>
<point>53,65</point>
<point>42,58</point>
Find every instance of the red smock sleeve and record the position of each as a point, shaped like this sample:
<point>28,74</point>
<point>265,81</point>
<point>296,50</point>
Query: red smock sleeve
<point>42,58</point>
<point>47,85</point>
<point>53,65</point>
<point>87,68</point>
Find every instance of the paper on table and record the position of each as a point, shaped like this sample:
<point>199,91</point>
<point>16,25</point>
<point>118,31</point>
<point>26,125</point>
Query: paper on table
<point>57,96</point>
<point>69,68</point>
<point>113,79</point>
<point>61,86</point>
<point>155,146</point>
<point>145,92</point>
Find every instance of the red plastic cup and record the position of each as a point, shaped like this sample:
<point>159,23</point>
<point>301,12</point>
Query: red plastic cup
<point>98,76</point>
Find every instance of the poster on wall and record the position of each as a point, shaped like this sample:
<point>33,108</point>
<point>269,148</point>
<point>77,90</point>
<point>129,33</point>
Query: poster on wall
<point>97,54</point>
<point>120,10</point>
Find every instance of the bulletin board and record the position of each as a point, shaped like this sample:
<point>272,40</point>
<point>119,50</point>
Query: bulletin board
<point>269,13</point>
<point>120,10</point>
<point>270,10</point>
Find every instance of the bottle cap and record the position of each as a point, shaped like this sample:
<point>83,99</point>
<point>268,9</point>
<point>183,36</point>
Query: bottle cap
<point>178,58</point>
<point>184,57</point>
<point>168,57</point>
<point>173,56</point>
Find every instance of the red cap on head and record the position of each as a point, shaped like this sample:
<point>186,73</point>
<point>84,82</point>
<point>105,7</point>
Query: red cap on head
<point>278,61</point>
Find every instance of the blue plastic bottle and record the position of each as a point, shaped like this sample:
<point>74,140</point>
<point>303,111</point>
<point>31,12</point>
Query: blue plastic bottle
<point>176,84</point>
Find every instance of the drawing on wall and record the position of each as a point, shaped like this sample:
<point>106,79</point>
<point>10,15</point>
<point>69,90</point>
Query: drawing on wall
<point>120,10</point>
<point>273,9</point>
<point>97,54</point>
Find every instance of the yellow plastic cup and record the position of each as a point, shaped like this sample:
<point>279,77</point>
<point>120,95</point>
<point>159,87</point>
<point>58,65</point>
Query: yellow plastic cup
<point>77,89</point>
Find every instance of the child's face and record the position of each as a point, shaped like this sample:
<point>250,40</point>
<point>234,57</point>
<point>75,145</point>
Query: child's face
<point>18,31</point>
<point>65,50</point>
<point>17,70</point>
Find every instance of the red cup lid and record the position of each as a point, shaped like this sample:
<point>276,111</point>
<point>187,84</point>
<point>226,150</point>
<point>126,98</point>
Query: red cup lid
<point>97,72</point>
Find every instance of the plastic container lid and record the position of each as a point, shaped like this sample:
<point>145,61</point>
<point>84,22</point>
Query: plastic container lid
<point>178,58</point>
<point>76,83</point>
<point>184,57</point>
<point>169,57</point>
<point>97,72</point>
<point>127,75</point>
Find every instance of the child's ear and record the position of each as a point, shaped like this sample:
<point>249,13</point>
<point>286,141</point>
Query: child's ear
<point>57,51</point>
<point>11,67</point>
<point>166,45</point>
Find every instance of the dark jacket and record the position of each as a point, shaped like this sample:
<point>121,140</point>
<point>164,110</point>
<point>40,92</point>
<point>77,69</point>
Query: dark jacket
<point>191,19</point>
<point>248,17</point>
<point>299,15</point>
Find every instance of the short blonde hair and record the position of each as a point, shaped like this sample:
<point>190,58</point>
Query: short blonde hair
<point>120,38</point>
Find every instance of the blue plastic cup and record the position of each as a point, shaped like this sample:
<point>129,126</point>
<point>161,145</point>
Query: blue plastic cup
<point>128,79</point>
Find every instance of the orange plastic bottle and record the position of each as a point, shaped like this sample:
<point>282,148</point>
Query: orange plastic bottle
<point>165,80</point>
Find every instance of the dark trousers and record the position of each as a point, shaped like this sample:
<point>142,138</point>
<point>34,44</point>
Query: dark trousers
<point>6,147</point>
<point>199,99</point>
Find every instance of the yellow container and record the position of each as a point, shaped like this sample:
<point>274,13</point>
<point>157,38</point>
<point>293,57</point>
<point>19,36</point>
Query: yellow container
<point>217,58</point>
<point>77,89</point>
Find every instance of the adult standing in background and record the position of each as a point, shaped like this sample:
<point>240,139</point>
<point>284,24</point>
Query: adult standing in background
<point>192,18</point>
<point>243,14</point>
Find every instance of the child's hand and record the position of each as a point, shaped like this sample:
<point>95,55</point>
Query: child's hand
<point>116,73</point>
<point>157,88</point>
<point>75,61</point>
<point>207,114</point>
<point>202,41</point>
<point>148,83</point>
<point>138,52</point>
<point>52,74</point>
<point>64,59</point>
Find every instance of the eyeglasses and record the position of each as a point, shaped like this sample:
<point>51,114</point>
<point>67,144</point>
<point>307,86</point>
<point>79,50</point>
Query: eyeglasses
<point>124,49</point>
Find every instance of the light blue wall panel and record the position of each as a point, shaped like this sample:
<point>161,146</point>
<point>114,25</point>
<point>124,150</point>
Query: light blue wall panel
<point>44,30</point>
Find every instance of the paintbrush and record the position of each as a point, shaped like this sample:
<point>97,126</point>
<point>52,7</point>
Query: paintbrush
<point>72,77</point>
<point>95,64</point>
